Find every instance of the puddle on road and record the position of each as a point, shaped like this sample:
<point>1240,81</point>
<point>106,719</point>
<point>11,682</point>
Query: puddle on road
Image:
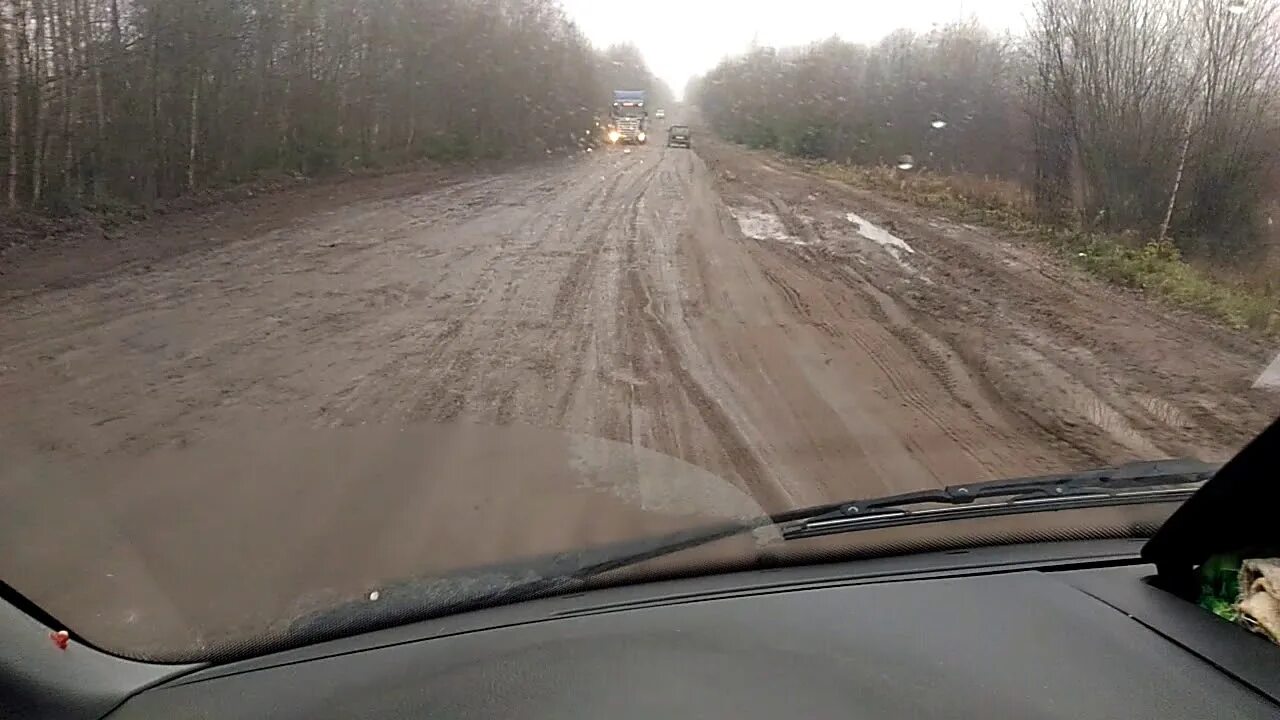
<point>760,225</point>
<point>890,242</point>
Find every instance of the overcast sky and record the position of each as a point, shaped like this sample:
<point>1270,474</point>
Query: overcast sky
<point>681,38</point>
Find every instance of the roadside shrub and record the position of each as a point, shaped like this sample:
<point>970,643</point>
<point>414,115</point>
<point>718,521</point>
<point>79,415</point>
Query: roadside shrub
<point>61,203</point>
<point>809,142</point>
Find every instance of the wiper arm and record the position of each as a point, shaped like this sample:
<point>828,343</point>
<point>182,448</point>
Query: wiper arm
<point>564,572</point>
<point>1123,484</point>
<point>490,586</point>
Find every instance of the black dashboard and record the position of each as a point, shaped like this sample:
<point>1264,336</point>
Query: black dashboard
<point>1047,630</point>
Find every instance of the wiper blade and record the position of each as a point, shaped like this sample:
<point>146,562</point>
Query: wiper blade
<point>426,598</point>
<point>1123,484</point>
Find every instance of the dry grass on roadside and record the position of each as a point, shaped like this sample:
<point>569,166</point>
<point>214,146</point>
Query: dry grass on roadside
<point>998,203</point>
<point>1158,269</point>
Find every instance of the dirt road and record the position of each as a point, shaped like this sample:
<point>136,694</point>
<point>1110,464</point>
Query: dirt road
<point>803,341</point>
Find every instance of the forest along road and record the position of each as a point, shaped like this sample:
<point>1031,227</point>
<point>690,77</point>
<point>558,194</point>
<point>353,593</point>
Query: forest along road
<point>804,341</point>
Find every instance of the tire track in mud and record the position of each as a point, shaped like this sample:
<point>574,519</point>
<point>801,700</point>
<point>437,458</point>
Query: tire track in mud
<point>569,294</point>
<point>460,368</point>
<point>1130,372</point>
<point>954,425</point>
<point>741,456</point>
<point>644,372</point>
<point>875,316</point>
<point>977,417</point>
<point>1067,350</point>
<point>430,377</point>
<point>909,389</point>
<point>646,322</point>
<point>968,389</point>
<point>597,220</point>
<point>1161,382</point>
<point>798,304</point>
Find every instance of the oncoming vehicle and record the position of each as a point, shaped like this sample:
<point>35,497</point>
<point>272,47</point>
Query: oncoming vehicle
<point>1048,594</point>
<point>660,114</point>
<point>628,118</point>
<point>679,136</point>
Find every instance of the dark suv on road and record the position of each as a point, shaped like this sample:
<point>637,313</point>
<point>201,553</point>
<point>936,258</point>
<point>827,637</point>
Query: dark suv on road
<point>679,136</point>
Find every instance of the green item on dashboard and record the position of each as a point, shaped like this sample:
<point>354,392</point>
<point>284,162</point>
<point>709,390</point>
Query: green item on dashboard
<point>1220,585</point>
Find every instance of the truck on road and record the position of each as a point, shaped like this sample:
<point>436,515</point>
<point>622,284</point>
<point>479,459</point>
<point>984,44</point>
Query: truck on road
<point>628,118</point>
<point>679,136</point>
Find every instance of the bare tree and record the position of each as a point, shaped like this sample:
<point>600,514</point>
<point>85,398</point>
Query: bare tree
<point>143,100</point>
<point>948,97</point>
<point>1151,115</point>
<point>9,43</point>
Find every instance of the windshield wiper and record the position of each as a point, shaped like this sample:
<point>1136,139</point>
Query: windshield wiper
<point>1124,484</point>
<point>563,572</point>
<point>499,584</point>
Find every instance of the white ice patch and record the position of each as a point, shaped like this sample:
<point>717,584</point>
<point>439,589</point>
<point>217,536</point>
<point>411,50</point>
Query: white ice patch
<point>891,243</point>
<point>760,225</point>
<point>1270,378</point>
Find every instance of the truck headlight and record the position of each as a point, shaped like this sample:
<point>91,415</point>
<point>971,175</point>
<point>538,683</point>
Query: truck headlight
<point>614,135</point>
<point>641,137</point>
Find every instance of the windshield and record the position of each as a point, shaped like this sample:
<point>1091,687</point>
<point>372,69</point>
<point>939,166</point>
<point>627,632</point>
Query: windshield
<point>308,306</point>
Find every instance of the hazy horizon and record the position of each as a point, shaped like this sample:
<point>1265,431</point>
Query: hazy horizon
<point>680,39</point>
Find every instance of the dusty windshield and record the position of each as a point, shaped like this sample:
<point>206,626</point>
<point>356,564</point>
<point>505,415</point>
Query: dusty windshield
<point>303,302</point>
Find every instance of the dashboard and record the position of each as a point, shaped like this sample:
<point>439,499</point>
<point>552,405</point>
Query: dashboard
<point>1046,630</point>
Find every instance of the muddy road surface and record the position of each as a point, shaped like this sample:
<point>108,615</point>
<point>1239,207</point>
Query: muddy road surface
<point>789,340</point>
